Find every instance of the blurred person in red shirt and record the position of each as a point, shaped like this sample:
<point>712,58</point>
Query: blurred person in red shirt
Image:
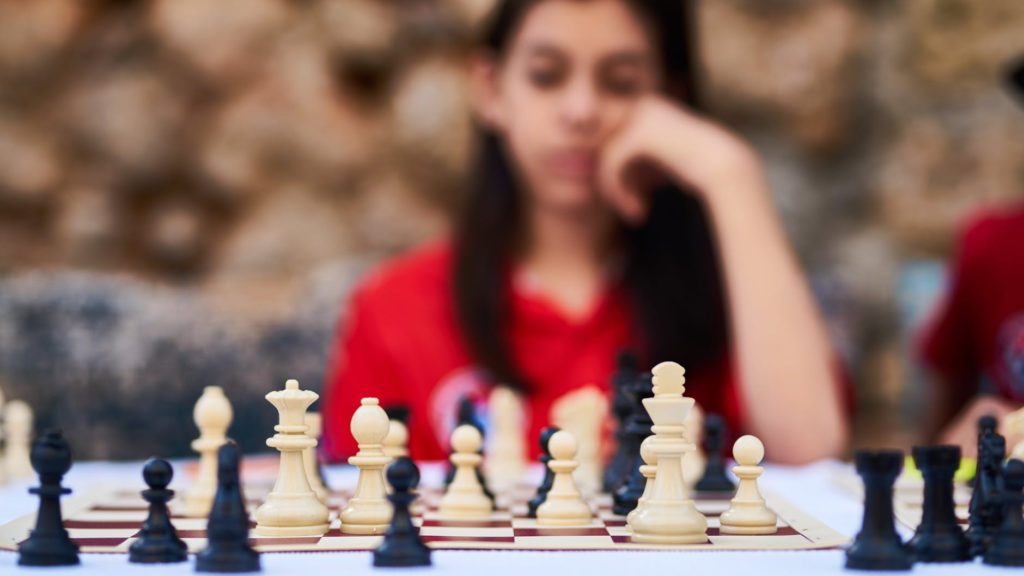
<point>604,211</point>
<point>974,343</point>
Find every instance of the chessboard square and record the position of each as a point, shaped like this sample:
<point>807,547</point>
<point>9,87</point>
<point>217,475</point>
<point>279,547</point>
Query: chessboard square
<point>101,524</point>
<point>609,515</point>
<point>283,544</point>
<point>531,523</point>
<point>100,544</point>
<point>768,542</point>
<point>618,530</point>
<point>491,519</point>
<point>489,532</point>
<point>190,523</point>
<point>560,531</point>
<point>349,542</point>
<point>111,516</point>
<point>564,542</point>
<point>102,533</point>
<point>194,544</point>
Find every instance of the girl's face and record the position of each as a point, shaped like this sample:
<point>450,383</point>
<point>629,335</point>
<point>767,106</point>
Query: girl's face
<point>568,81</point>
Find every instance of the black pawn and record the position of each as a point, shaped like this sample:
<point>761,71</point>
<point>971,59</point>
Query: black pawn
<point>715,478</point>
<point>1007,547</point>
<point>939,537</point>
<point>49,544</point>
<point>402,546</point>
<point>158,540</point>
<point>625,375</point>
<point>638,427</point>
<point>986,511</point>
<point>549,476</point>
<point>227,531</point>
<point>877,546</point>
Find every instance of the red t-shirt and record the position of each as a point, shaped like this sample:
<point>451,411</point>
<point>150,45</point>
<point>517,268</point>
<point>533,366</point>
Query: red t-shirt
<point>978,331</point>
<point>400,342</point>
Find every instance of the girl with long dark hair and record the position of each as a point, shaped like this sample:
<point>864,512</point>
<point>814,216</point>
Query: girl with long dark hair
<point>604,212</point>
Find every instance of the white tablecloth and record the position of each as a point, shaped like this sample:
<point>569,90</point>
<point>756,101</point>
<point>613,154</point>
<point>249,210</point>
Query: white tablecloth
<point>812,488</point>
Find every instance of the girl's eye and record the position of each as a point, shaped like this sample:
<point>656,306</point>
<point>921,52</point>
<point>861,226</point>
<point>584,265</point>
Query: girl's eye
<point>545,77</point>
<point>622,86</point>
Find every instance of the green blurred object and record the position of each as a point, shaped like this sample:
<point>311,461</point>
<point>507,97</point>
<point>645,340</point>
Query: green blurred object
<point>964,474</point>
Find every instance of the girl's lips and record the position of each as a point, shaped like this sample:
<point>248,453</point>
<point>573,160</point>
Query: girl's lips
<point>573,164</point>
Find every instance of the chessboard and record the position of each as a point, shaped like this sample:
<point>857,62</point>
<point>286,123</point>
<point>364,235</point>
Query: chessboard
<point>108,522</point>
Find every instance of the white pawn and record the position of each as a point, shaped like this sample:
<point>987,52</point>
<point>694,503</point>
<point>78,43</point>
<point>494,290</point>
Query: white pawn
<point>212,415</point>
<point>395,443</point>
<point>564,505</point>
<point>747,513</point>
<point>647,470</point>
<point>18,430</point>
<point>314,429</point>
<point>291,508</point>
<point>368,511</point>
<point>465,496</point>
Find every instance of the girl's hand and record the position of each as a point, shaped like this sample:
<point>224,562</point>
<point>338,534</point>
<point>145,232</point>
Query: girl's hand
<point>662,139</point>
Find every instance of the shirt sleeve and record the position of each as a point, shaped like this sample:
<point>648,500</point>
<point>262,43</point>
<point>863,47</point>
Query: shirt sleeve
<point>361,366</point>
<point>946,344</point>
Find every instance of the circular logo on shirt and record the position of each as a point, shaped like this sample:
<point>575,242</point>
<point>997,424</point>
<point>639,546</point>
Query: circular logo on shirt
<point>1011,347</point>
<point>444,401</point>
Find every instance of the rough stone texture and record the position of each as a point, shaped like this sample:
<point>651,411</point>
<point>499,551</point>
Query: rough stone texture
<point>188,188</point>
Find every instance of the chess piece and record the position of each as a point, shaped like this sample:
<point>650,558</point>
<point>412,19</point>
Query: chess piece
<point>18,431</point>
<point>582,413</point>
<point>1013,424</point>
<point>939,538</point>
<point>747,513</point>
<point>314,429</point>
<point>368,511</point>
<point>291,508</point>
<point>465,414</point>
<point>549,475</point>
<point>648,470</point>
<point>212,415</point>
<point>157,541</point>
<point>396,440</point>
<point>227,530</point>
<point>402,546</point>
<point>638,427</point>
<point>506,460</point>
<point>986,511</point>
<point>670,516</point>
<point>564,505</point>
<point>49,544</point>
<point>694,462</point>
<point>625,375</point>
<point>715,478</point>
<point>878,546</point>
<point>1007,547</point>
<point>465,496</point>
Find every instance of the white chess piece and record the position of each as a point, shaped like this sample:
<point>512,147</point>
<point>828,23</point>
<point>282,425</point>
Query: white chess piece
<point>670,516</point>
<point>397,439</point>
<point>748,513</point>
<point>506,455</point>
<point>314,429</point>
<point>1012,426</point>
<point>564,505</point>
<point>647,470</point>
<point>465,496</point>
<point>212,415</point>
<point>291,508</point>
<point>18,431</point>
<point>694,462</point>
<point>583,413</point>
<point>368,511</point>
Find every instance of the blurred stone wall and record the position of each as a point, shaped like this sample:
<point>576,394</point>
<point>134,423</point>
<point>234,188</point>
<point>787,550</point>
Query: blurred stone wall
<point>188,188</point>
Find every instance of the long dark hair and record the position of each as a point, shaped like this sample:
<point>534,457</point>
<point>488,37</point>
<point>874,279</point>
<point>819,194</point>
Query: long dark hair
<point>671,270</point>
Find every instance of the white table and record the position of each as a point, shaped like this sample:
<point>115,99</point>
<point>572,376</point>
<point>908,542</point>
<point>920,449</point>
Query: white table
<point>812,488</point>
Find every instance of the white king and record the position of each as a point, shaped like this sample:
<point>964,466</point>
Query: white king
<point>669,515</point>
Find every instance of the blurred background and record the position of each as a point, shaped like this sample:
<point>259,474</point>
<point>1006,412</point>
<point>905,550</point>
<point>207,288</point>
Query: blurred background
<point>189,188</point>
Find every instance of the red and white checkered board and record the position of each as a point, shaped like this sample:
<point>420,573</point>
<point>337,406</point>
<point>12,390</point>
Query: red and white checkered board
<point>109,523</point>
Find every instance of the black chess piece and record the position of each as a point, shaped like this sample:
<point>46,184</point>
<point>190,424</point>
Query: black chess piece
<point>227,532</point>
<point>549,476</point>
<point>49,543</point>
<point>1007,547</point>
<point>158,541</point>
<point>638,427</point>
<point>402,546</point>
<point>975,531</point>
<point>986,512</point>
<point>878,546</point>
<point>625,375</point>
<point>986,426</point>
<point>939,537</point>
<point>715,477</point>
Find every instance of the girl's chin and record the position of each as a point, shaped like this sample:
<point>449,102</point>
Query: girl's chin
<point>571,196</point>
